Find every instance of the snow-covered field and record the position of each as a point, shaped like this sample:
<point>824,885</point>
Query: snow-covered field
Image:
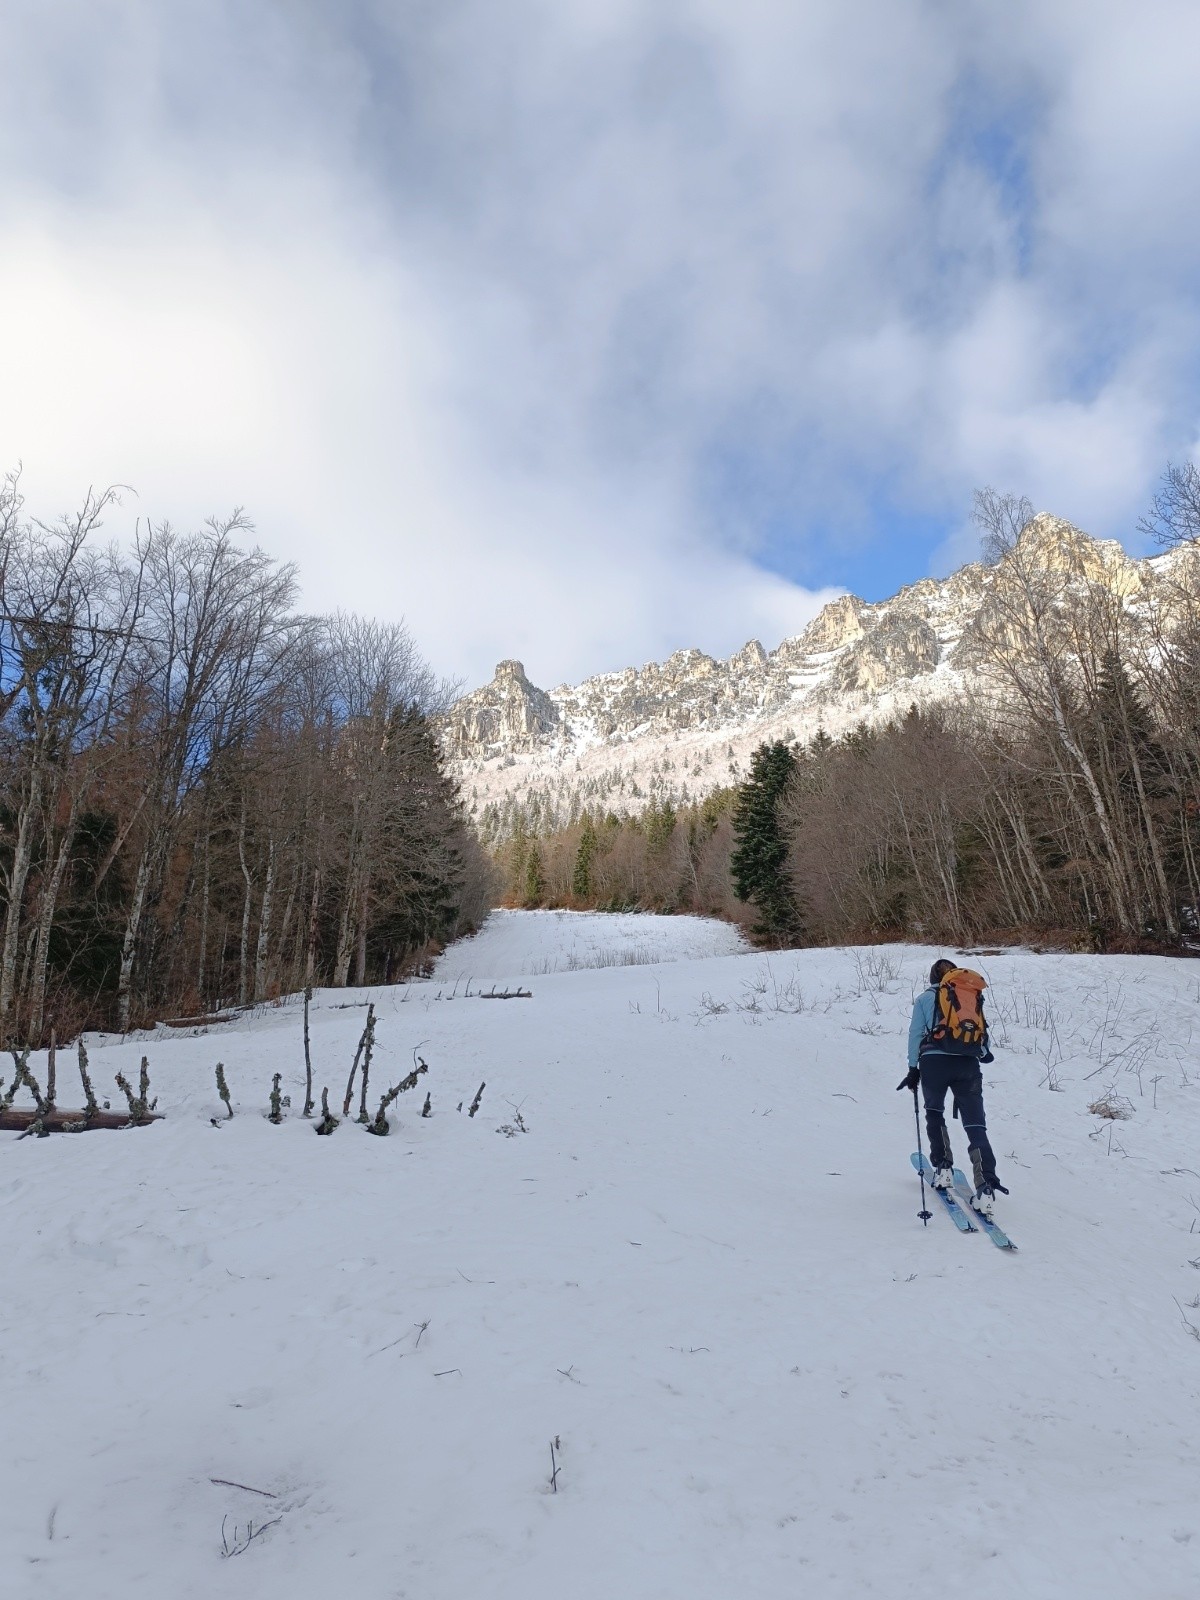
<point>699,1269</point>
<point>533,943</point>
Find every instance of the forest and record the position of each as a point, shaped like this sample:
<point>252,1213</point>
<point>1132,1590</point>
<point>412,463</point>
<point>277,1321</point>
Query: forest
<point>207,797</point>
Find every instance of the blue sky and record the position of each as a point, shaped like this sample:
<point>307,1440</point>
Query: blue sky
<point>584,331</point>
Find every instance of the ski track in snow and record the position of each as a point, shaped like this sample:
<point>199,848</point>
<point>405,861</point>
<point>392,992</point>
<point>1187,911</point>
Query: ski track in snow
<point>701,1270</point>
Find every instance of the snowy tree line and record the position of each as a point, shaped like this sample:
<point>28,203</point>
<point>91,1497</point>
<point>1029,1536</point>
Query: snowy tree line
<point>207,797</point>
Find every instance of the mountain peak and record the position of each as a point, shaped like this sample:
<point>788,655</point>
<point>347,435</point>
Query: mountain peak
<point>674,730</point>
<point>510,672</point>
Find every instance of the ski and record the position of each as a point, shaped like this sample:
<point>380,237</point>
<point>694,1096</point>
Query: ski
<point>996,1234</point>
<point>958,1216</point>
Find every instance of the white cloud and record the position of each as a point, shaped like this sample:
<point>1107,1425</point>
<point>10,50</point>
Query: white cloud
<point>481,310</point>
<point>319,397</point>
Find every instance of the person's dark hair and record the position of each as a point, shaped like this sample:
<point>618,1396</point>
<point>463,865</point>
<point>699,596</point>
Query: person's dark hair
<point>939,969</point>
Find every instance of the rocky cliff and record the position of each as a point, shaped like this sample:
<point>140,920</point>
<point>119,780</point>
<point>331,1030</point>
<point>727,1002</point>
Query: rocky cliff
<point>679,728</point>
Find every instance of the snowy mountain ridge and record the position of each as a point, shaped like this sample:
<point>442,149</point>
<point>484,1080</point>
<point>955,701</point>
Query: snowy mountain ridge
<point>675,730</point>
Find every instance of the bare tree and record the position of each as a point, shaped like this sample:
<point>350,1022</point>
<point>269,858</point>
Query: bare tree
<point>66,622</point>
<point>205,794</point>
<point>1000,519</point>
<point>219,620</point>
<point>1174,514</point>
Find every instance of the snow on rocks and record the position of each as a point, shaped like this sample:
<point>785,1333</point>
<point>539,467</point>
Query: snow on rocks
<point>698,1270</point>
<point>675,730</point>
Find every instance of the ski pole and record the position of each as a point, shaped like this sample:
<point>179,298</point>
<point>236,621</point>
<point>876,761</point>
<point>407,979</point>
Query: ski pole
<point>923,1213</point>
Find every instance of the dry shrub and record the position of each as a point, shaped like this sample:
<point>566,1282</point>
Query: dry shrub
<point>1112,1107</point>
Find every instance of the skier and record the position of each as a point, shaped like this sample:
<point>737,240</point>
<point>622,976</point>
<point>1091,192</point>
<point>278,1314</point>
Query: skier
<point>938,1061</point>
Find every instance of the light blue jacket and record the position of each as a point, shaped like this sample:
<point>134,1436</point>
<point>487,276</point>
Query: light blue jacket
<point>923,1017</point>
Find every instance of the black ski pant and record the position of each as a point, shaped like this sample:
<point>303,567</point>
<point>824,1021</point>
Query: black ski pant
<point>961,1075</point>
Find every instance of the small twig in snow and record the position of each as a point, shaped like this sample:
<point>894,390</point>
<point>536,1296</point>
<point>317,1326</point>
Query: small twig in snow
<point>1188,1324</point>
<point>239,1543</point>
<point>228,1483</point>
<point>390,1346</point>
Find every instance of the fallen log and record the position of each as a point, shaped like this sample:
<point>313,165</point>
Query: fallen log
<point>19,1119</point>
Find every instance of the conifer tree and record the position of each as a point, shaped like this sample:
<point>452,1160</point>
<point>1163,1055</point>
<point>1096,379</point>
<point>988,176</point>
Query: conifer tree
<point>535,883</point>
<point>518,856</point>
<point>659,822</point>
<point>581,882</point>
<point>759,861</point>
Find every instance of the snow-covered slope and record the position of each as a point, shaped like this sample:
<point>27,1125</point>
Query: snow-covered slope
<point>675,730</point>
<point>521,943</point>
<point>699,1270</point>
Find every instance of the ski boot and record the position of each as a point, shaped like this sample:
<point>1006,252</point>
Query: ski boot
<point>984,1198</point>
<point>943,1178</point>
<point>987,1186</point>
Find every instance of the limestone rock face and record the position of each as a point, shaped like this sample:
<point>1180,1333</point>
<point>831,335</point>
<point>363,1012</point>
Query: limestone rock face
<point>751,658</point>
<point>836,625</point>
<point>507,715</point>
<point>1053,545</point>
<point>1053,565</point>
<point>676,729</point>
<point>902,646</point>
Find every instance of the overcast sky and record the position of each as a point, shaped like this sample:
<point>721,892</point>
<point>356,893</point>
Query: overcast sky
<point>581,330</point>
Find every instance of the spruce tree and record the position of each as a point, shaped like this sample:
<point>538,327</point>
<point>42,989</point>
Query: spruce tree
<point>518,853</point>
<point>581,882</point>
<point>659,824</point>
<point>759,860</point>
<point>535,883</point>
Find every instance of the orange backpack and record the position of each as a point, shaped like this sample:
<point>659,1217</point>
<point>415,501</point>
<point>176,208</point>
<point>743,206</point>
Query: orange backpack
<point>960,1027</point>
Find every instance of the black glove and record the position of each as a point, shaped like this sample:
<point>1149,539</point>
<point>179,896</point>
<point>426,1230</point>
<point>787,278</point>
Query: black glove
<point>911,1081</point>
<point>987,1057</point>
